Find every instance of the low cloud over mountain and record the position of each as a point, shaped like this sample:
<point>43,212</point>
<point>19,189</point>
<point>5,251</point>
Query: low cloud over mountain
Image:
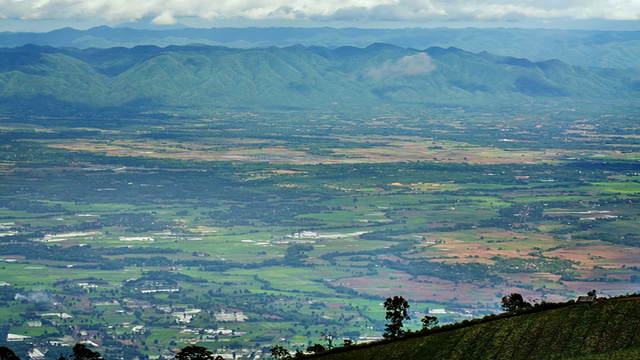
<point>408,66</point>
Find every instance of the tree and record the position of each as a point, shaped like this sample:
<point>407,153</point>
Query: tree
<point>514,302</point>
<point>7,354</point>
<point>278,352</point>
<point>194,352</point>
<point>429,322</point>
<point>82,352</point>
<point>592,293</point>
<point>328,337</point>
<point>397,311</point>
<point>316,348</point>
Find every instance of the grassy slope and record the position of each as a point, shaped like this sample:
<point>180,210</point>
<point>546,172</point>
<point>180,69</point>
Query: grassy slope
<point>608,330</point>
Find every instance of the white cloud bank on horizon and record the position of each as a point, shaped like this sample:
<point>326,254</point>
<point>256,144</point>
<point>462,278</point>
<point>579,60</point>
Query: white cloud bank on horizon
<point>166,12</point>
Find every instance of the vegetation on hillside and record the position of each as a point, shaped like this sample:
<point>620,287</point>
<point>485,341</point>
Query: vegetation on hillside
<point>606,330</point>
<point>66,80</point>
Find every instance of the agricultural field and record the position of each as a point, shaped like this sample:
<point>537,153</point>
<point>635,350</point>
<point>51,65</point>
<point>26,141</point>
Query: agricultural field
<point>239,230</point>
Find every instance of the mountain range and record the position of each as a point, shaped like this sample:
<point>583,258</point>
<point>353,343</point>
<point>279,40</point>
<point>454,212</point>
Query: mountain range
<point>44,78</point>
<point>586,48</point>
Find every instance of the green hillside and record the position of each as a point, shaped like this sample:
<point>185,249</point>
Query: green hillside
<point>607,330</point>
<point>45,79</point>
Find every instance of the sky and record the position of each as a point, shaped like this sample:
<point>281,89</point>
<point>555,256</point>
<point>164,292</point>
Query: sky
<point>45,15</point>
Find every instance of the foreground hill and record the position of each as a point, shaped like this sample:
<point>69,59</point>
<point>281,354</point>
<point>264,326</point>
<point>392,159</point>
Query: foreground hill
<point>55,79</point>
<point>608,330</point>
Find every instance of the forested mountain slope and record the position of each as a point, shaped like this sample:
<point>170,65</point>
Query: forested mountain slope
<point>149,77</point>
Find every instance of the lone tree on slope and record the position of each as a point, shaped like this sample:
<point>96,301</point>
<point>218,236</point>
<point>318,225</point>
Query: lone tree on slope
<point>514,302</point>
<point>82,352</point>
<point>194,352</point>
<point>397,311</point>
<point>316,348</point>
<point>428,322</point>
<point>328,337</point>
<point>278,352</point>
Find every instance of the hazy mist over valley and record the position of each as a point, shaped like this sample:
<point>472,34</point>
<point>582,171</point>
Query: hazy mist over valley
<point>261,180</point>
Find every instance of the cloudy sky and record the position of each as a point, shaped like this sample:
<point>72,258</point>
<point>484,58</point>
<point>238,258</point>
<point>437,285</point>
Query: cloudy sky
<point>39,15</point>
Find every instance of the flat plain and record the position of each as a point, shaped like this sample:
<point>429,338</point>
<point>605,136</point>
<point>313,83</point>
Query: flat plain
<point>239,230</point>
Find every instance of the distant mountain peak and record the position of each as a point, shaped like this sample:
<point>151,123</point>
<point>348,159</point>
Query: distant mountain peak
<point>377,46</point>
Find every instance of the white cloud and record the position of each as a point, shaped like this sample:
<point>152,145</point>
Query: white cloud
<point>166,18</point>
<point>409,66</point>
<point>167,11</point>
